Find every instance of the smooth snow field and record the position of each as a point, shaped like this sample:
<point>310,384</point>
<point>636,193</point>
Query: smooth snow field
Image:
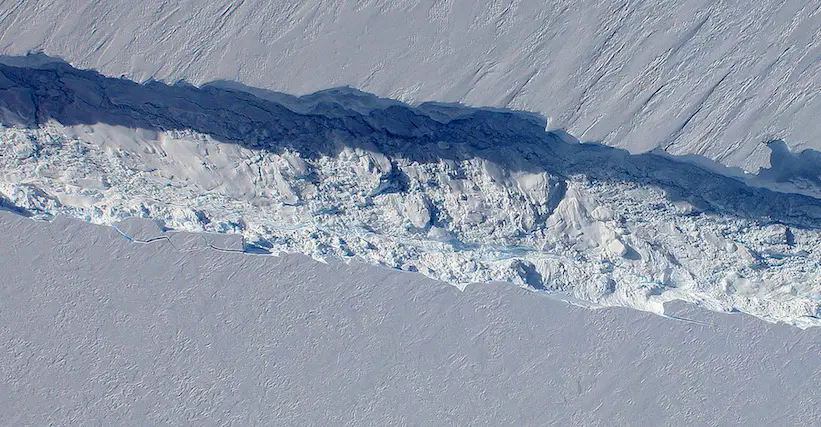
<point>100,330</point>
<point>712,78</point>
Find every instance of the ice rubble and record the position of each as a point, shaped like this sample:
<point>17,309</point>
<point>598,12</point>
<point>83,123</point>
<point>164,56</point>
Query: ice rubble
<point>461,195</point>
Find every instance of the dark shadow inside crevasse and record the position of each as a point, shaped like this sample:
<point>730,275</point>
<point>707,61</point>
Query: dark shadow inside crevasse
<point>786,166</point>
<point>37,89</point>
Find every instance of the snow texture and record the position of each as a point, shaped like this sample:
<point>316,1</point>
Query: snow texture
<point>459,194</point>
<point>704,77</point>
<point>98,330</point>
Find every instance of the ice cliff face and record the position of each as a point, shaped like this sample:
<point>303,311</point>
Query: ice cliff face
<point>712,78</point>
<point>455,193</point>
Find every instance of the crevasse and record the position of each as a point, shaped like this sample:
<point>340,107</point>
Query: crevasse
<point>455,193</point>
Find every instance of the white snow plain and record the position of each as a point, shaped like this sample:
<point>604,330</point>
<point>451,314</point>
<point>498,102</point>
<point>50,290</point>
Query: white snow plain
<point>711,78</point>
<point>98,330</point>
<point>459,194</point>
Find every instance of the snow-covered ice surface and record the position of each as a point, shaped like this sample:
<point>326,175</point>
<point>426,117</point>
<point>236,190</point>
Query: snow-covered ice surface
<point>98,330</point>
<point>712,78</point>
<point>459,194</point>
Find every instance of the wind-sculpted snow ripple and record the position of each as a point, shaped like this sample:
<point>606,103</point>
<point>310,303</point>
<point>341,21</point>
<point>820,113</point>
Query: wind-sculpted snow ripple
<point>455,193</point>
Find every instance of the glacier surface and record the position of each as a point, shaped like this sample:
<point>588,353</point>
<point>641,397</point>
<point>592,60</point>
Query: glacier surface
<point>710,78</point>
<point>459,194</point>
<point>97,330</point>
